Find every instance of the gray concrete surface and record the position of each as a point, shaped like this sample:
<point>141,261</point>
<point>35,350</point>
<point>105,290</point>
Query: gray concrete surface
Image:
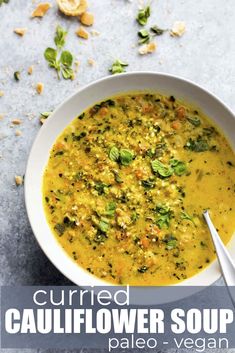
<point>204,54</point>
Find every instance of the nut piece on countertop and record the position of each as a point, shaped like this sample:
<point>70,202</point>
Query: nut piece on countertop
<point>20,31</point>
<point>18,180</point>
<point>18,133</point>
<point>178,29</point>
<point>39,87</point>
<point>1,93</point>
<point>91,62</point>
<point>148,48</point>
<point>30,70</point>
<point>72,7</point>
<point>16,121</point>
<point>41,9</point>
<point>87,19</point>
<point>81,32</point>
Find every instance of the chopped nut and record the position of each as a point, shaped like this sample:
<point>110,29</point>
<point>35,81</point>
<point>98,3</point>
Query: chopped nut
<point>81,32</point>
<point>18,133</point>
<point>1,116</point>
<point>39,87</point>
<point>72,7</point>
<point>91,62</point>
<point>147,48</point>
<point>42,120</point>
<point>87,19</point>
<point>1,93</point>
<point>95,33</point>
<point>18,180</point>
<point>20,31</point>
<point>41,9</point>
<point>178,29</point>
<point>16,121</point>
<point>30,70</point>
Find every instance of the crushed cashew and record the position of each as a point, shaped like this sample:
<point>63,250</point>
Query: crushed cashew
<point>87,19</point>
<point>81,32</point>
<point>178,29</point>
<point>30,70</point>
<point>39,87</point>
<point>1,116</point>
<point>18,180</point>
<point>91,62</point>
<point>94,32</point>
<point>18,133</point>
<point>16,121</point>
<point>20,31</point>
<point>1,93</point>
<point>72,7</point>
<point>147,48</point>
<point>41,9</point>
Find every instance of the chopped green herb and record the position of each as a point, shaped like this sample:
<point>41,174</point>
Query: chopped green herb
<point>60,37</point>
<point>171,242</point>
<point>194,121</point>
<point>186,216</point>
<point>197,145</point>
<point>164,216</point>
<point>179,167</point>
<point>110,209</point>
<point>134,216</point>
<point>118,67</point>
<point>17,75</point>
<point>103,225</point>
<point>114,154</point>
<point>161,169</point>
<point>45,115</point>
<point>101,188</point>
<point>156,30</point>
<point>126,157</point>
<point>144,36</point>
<point>143,15</point>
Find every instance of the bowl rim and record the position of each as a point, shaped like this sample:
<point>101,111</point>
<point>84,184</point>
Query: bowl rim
<point>65,102</point>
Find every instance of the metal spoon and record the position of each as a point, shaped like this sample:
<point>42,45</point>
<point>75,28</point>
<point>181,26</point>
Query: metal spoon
<point>226,264</point>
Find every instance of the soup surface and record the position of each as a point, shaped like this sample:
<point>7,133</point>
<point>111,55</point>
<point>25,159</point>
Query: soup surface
<point>127,182</point>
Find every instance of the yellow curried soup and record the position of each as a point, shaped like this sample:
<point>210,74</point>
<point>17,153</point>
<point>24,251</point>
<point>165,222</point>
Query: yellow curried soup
<point>127,182</point>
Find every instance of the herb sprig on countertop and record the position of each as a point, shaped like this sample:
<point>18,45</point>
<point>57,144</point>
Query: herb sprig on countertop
<point>118,67</point>
<point>61,62</point>
<point>4,2</point>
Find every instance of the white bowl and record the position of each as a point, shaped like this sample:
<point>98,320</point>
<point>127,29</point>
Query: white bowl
<point>75,105</point>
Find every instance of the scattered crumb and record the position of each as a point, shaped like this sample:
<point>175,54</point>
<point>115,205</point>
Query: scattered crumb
<point>30,70</point>
<point>1,93</point>
<point>87,19</point>
<point>18,180</point>
<point>1,116</point>
<point>20,31</point>
<point>39,87</point>
<point>41,9</point>
<point>16,121</point>
<point>160,62</point>
<point>95,33</point>
<point>72,7</point>
<point>147,48</point>
<point>178,29</point>
<point>81,32</point>
<point>18,133</point>
<point>77,64</point>
<point>91,62</point>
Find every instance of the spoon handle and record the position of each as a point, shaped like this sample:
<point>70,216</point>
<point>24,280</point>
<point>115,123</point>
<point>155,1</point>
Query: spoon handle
<point>225,260</point>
